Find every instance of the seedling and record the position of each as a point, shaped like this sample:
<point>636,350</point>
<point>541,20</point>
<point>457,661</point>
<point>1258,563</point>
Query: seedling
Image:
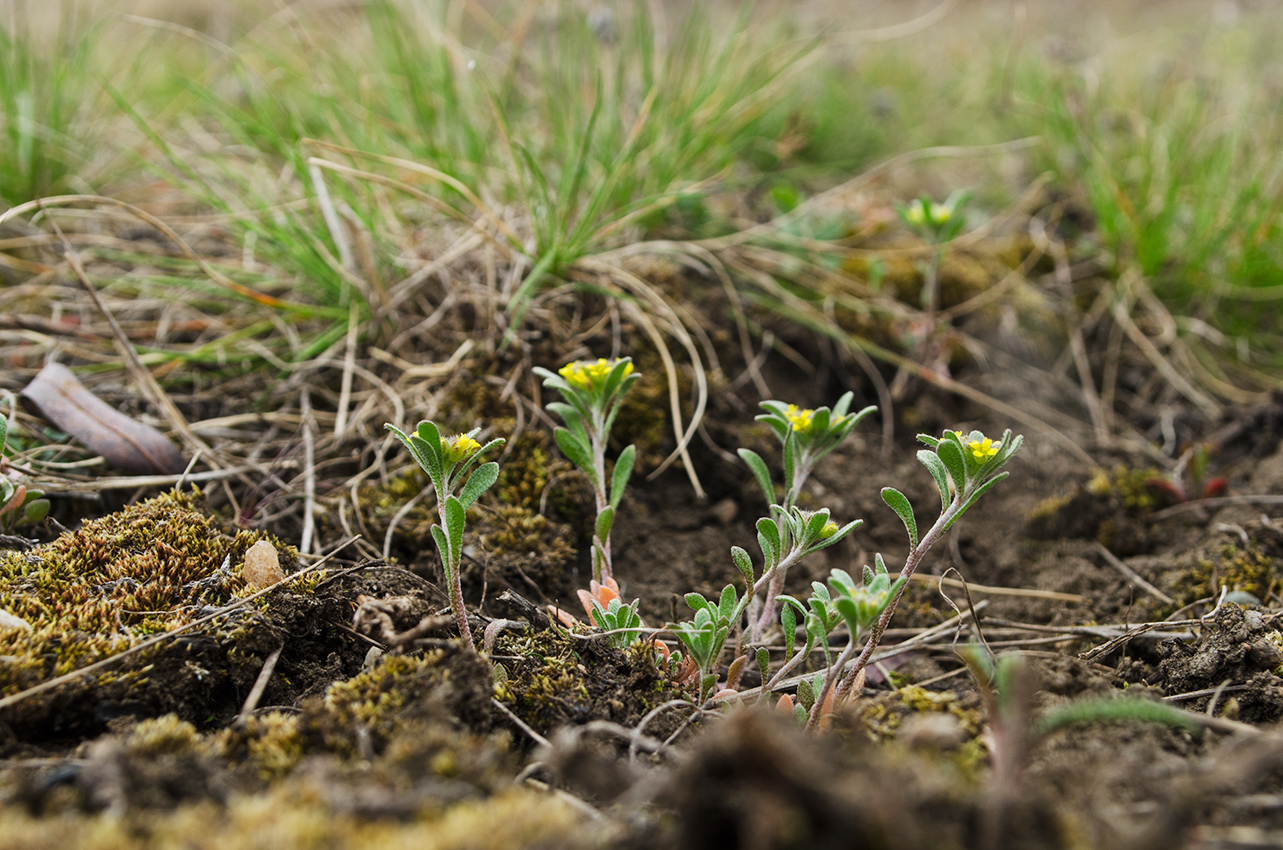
<point>964,468</point>
<point>593,392</point>
<point>939,224</point>
<point>448,461</point>
<point>806,436</point>
<point>18,505</point>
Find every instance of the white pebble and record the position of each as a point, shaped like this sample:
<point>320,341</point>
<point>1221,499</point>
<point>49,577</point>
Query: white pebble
<point>262,567</point>
<point>10,621</point>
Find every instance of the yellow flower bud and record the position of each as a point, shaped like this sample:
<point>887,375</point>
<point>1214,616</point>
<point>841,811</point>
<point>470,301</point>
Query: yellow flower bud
<point>458,448</point>
<point>799,418</point>
<point>586,374</point>
<point>982,450</point>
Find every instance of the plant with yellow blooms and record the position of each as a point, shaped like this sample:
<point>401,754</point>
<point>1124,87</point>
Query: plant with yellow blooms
<point>593,391</point>
<point>448,462</point>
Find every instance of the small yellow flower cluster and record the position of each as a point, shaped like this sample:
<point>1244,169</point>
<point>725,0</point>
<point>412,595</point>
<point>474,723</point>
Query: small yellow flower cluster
<point>830,528</point>
<point>585,374</point>
<point>457,448</point>
<point>938,214</point>
<point>801,419</point>
<point>982,450</point>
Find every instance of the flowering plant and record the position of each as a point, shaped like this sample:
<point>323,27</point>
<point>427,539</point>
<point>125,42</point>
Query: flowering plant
<point>806,437</point>
<point>593,391</point>
<point>448,462</point>
<point>964,468</point>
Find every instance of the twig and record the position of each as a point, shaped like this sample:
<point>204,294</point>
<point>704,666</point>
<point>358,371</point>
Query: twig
<point>349,366</point>
<point>521,724</point>
<point>1000,591</point>
<point>1135,577</point>
<point>260,685</point>
<point>1217,502</point>
<point>309,473</point>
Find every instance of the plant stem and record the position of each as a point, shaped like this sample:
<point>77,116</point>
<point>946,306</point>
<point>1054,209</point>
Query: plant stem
<point>456,605</point>
<point>875,634</point>
<point>601,560</point>
<point>774,579</point>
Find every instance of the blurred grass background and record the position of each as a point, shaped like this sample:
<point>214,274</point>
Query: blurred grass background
<point>577,127</point>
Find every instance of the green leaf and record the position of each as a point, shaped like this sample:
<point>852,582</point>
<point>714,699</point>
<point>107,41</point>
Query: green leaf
<point>623,471</point>
<point>928,440</point>
<point>805,695</point>
<point>938,471</point>
<point>36,511</point>
<point>428,432</point>
<point>837,536</point>
<point>580,455</point>
<point>697,602</point>
<point>743,563</point>
<point>764,663</point>
<point>571,416</point>
<point>760,472</point>
<point>790,460</point>
<point>768,538</point>
<point>4,432</point>
<point>820,421</point>
<point>899,503</point>
<point>788,619</point>
<point>615,377</point>
<point>455,519</point>
<point>950,453</point>
<point>817,628</point>
<point>605,520</point>
<point>480,482</point>
<point>429,462</point>
<point>443,549</point>
<point>1115,710</point>
<point>726,605</point>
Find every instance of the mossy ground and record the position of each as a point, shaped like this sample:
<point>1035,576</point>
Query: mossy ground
<point>114,582</point>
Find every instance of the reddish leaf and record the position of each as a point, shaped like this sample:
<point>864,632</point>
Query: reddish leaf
<point>1215,487</point>
<point>135,448</point>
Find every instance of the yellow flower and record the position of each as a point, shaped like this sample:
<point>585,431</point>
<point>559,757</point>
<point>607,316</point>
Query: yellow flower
<point>585,374</point>
<point>830,528</point>
<point>457,448</point>
<point>914,213</point>
<point>982,450</point>
<point>800,419</point>
<point>940,213</point>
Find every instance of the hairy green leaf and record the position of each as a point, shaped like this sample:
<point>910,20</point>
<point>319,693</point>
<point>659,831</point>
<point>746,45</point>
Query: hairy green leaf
<point>899,503</point>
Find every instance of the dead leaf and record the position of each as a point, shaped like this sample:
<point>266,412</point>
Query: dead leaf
<point>135,448</point>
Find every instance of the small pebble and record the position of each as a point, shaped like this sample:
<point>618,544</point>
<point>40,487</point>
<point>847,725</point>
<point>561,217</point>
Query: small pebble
<point>262,567</point>
<point>10,621</point>
<point>725,511</point>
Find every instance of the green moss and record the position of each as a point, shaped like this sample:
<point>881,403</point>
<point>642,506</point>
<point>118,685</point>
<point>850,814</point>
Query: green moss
<point>447,686</point>
<point>548,682</point>
<point>1249,570</point>
<point>166,735</point>
<point>881,717</point>
<point>269,744</point>
<point>97,591</point>
<point>1134,488</point>
<point>301,815</point>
